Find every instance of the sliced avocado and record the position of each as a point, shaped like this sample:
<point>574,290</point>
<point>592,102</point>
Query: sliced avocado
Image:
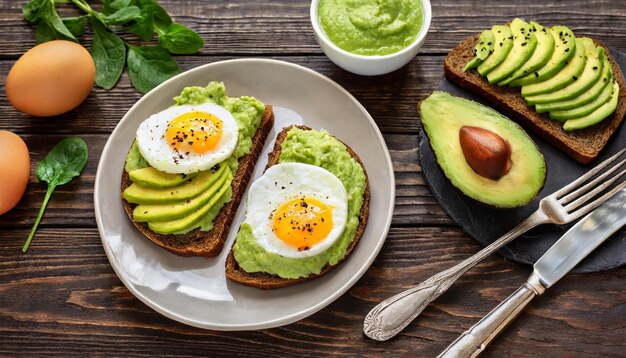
<point>503,42</point>
<point>564,50</point>
<point>443,116</point>
<point>524,44</point>
<point>164,212</point>
<point>589,76</point>
<point>483,48</point>
<point>596,116</point>
<point>585,109</point>
<point>157,179</point>
<point>188,221</point>
<point>138,194</point>
<point>541,55</point>
<point>585,97</point>
<point>567,75</point>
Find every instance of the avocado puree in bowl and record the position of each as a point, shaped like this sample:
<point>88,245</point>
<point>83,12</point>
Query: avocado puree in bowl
<point>371,27</point>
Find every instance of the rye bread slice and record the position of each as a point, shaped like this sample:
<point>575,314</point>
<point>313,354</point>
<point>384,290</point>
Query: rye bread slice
<point>582,145</point>
<point>203,243</point>
<point>267,281</point>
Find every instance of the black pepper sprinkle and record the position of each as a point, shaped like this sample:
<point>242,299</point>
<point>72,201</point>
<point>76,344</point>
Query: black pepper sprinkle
<point>575,78</point>
<point>536,74</point>
<point>567,49</point>
<point>595,68</point>
<point>489,43</point>
<point>523,43</point>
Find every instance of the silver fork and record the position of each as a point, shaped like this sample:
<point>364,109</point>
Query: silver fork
<point>563,206</point>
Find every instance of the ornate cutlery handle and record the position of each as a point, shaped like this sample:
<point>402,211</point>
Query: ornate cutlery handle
<point>475,340</point>
<point>390,317</point>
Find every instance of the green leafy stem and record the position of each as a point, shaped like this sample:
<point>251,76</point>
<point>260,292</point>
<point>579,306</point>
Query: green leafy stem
<point>148,65</point>
<point>64,162</point>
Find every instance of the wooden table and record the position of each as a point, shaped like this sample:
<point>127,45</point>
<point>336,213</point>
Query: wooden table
<point>63,296</point>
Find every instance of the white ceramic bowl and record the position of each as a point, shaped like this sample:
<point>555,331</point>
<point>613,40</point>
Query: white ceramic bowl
<point>370,65</point>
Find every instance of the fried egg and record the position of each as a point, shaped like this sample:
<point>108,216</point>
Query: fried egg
<point>297,210</point>
<point>188,138</point>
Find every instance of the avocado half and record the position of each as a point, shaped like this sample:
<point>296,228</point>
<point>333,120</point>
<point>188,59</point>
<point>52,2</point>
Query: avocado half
<point>443,116</point>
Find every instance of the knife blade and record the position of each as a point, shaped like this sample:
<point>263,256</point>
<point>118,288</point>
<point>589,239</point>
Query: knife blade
<point>581,240</point>
<point>564,255</point>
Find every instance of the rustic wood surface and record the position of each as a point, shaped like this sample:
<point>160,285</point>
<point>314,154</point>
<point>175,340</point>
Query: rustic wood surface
<point>63,297</point>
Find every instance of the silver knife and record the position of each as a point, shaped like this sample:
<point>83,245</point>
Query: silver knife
<point>566,253</point>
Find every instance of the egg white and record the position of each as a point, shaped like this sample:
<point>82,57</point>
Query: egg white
<point>154,148</point>
<point>283,182</point>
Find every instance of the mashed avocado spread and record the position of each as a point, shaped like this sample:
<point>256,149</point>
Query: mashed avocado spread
<point>371,27</point>
<point>247,112</point>
<point>320,149</point>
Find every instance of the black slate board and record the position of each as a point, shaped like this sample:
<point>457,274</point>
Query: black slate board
<point>487,224</point>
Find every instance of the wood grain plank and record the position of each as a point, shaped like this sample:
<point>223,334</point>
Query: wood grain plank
<point>63,293</point>
<point>246,27</point>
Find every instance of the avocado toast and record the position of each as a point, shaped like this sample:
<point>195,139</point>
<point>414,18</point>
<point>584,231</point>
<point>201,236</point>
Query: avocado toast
<point>561,87</point>
<point>217,189</point>
<point>264,280</point>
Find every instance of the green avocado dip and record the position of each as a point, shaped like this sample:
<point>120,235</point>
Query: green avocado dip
<point>320,149</point>
<point>371,27</point>
<point>178,203</point>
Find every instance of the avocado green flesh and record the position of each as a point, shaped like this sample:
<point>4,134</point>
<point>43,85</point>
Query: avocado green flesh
<point>247,112</point>
<point>138,194</point>
<point>178,209</point>
<point>190,220</point>
<point>150,176</point>
<point>320,149</point>
<point>585,109</point>
<point>589,76</point>
<point>483,48</point>
<point>541,55</point>
<point>596,116</point>
<point>564,50</point>
<point>502,45</point>
<point>442,117</point>
<point>583,98</point>
<point>568,74</point>
<point>524,44</point>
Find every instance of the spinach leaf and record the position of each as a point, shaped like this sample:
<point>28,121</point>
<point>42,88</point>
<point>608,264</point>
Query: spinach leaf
<point>31,10</point>
<point>123,16</point>
<point>153,15</point>
<point>43,11</point>
<point>161,17</point>
<point>144,27</point>
<point>45,33</point>
<point>179,39</point>
<point>108,53</point>
<point>64,162</point>
<point>111,6</point>
<point>76,25</point>
<point>149,66</point>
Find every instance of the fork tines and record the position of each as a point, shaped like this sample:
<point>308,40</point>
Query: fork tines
<point>599,183</point>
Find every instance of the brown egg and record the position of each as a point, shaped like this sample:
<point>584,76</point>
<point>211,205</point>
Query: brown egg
<point>14,170</point>
<point>51,78</point>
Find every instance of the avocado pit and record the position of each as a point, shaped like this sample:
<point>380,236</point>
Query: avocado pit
<point>488,154</point>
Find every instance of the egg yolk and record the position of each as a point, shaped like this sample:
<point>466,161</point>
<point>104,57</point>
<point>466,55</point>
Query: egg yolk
<point>194,132</point>
<point>302,222</point>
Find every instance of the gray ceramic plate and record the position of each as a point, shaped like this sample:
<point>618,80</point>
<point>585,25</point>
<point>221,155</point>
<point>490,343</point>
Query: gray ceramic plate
<point>194,290</point>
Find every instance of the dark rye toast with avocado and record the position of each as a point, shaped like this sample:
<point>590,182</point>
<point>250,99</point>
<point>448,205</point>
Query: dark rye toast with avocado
<point>208,243</point>
<point>583,145</point>
<point>264,280</point>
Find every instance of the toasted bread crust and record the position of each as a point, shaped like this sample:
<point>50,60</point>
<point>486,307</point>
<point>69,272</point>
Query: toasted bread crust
<point>582,145</point>
<point>203,243</point>
<point>267,281</point>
